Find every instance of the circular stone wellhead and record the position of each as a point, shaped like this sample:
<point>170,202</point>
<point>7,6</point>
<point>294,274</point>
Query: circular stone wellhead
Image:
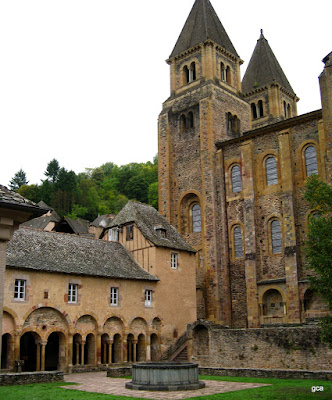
<point>166,376</point>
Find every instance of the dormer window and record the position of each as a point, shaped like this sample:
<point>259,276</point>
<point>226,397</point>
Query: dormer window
<point>113,235</point>
<point>160,231</point>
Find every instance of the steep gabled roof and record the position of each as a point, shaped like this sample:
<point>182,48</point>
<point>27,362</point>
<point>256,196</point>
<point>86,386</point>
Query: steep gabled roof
<point>12,200</point>
<point>41,222</point>
<point>264,69</point>
<point>203,23</point>
<point>150,222</point>
<point>70,254</point>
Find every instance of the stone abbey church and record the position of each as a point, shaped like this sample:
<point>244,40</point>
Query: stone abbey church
<point>218,275</point>
<point>233,159</point>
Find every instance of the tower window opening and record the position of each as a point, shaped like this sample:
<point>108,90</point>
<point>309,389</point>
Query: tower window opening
<point>186,75</point>
<point>271,171</point>
<point>183,123</point>
<point>310,157</point>
<point>196,218</point>
<point>190,120</point>
<point>253,110</point>
<point>260,109</point>
<point>192,72</point>
<point>236,179</point>
<point>223,72</point>
<point>289,111</point>
<point>276,237</point>
<point>228,75</point>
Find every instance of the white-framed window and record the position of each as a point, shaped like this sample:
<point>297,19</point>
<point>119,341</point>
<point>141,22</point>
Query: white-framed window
<point>196,218</point>
<point>310,157</point>
<point>238,246</point>
<point>276,239</point>
<point>271,171</point>
<point>174,260</point>
<point>20,288</point>
<point>72,292</point>
<point>114,235</point>
<point>148,297</point>
<point>114,296</point>
<point>236,179</point>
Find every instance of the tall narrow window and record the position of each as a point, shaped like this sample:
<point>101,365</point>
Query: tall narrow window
<point>113,235</point>
<point>271,171</point>
<point>183,123</point>
<point>192,72</point>
<point>72,293</point>
<point>228,75</point>
<point>223,72</point>
<point>310,156</point>
<point>238,246</point>
<point>114,296</point>
<point>289,111</point>
<point>253,110</point>
<point>260,109</point>
<point>196,218</point>
<point>19,291</point>
<point>185,75</point>
<point>174,260</point>
<point>129,232</point>
<point>148,298</point>
<point>236,179</point>
<point>285,109</point>
<point>276,237</point>
<point>190,120</point>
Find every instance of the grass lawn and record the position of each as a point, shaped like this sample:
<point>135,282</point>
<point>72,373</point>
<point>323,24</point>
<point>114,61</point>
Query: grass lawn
<point>280,389</point>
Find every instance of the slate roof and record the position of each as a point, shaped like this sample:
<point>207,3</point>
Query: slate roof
<point>264,69</point>
<point>202,23</point>
<point>102,220</point>
<point>65,253</point>
<point>13,200</point>
<point>147,220</point>
<point>79,226</point>
<point>41,222</point>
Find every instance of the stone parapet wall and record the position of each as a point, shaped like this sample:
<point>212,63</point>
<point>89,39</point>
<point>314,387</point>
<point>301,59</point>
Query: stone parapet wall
<point>24,378</point>
<point>119,372</point>
<point>267,373</point>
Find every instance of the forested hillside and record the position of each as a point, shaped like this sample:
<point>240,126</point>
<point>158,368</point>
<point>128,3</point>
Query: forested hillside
<point>97,191</point>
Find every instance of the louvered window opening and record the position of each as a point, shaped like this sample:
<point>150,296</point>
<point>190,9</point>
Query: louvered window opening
<point>271,171</point>
<point>238,248</point>
<point>276,237</point>
<point>310,156</point>
<point>236,179</point>
<point>196,215</point>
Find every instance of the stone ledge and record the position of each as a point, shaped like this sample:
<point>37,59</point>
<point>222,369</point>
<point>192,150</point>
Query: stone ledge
<point>119,372</point>
<point>267,373</point>
<point>15,378</point>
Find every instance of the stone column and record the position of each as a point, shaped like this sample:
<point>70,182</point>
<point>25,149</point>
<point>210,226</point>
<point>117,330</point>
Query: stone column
<point>148,348</point>
<point>38,355</point>
<point>134,350</point>
<point>110,343</point>
<point>77,361</point>
<point>124,351</point>
<point>97,360</point>
<point>43,347</point>
<point>82,351</point>
<point>69,357</point>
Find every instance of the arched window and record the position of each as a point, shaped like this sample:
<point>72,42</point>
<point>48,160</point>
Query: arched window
<point>276,241</point>
<point>285,109</point>
<point>236,179</point>
<point>228,75</point>
<point>289,111</point>
<point>223,72</point>
<point>271,171</point>
<point>196,218</point>
<point>253,110</point>
<point>192,72</point>
<point>310,157</point>
<point>182,123</point>
<point>190,120</point>
<point>185,75</point>
<point>260,109</point>
<point>238,246</point>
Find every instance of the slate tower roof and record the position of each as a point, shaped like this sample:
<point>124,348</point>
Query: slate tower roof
<point>264,69</point>
<point>203,23</point>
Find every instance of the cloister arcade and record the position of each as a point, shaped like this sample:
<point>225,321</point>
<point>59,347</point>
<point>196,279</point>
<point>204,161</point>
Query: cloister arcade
<point>48,340</point>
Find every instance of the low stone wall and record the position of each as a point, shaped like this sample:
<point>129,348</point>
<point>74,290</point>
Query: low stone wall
<point>267,373</point>
<point>119,372</point>
<point>13,378</point>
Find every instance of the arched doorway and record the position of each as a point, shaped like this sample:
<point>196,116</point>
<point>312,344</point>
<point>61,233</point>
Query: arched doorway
<point>105,343</point>
<point>6,352</point>
<point>55,352</point>
<point>117,349</point>
<point>201,341</point>
<point>141,348</point>
<point>154,347</point>
<point>89,350</point>
<point>28,351</point>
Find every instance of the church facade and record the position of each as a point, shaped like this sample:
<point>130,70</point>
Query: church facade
<point>233,160</point>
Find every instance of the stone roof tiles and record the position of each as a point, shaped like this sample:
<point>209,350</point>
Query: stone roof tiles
<point>264,69</point>
<point>13,200</point>
<point>202,23</point>
<point>151,223</point>
<point>70,254</point>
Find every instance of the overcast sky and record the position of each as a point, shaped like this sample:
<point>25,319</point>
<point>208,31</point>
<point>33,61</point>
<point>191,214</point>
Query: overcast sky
<point>83,81</point>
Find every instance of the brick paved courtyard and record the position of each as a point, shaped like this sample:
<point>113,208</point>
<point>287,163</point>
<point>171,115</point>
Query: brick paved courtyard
<point>98,382</point>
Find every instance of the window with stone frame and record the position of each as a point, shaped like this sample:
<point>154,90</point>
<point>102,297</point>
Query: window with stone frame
<point>174,260</point>
<point>310,157</point>
<point>20,289</point>
<point>130,232</point>
<point>196,218</point>
<point>276,236</point>
<point>114,296</point>
<point>238,242</point>
<point>148,298</point>
<point>236,179</point>
<point>271,171</point>
<point>72,292</point>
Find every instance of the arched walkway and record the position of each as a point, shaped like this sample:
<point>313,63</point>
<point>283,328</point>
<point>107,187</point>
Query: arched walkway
<point>155,350</point>
<point>77,349</point>
<point>30,351</point>
<point>201,342</point>
<point>141,348</point>
<point>117,356</point>
<point>7,352</point>
<point>90,350</point>
<point>55,352</point>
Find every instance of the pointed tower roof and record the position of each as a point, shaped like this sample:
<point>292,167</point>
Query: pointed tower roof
<point>263,69</point>
<point>202,24</point>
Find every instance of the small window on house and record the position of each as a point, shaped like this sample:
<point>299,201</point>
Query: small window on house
<point>236,179</point>
<point>260,109</point>
<point>174,260</point>
<point>310,157</point>
<point>45,294</point>
<point>19,290</point>
<point>72,293</point>
<point>114,296</point>
<point>223,72</point>
<point>148,298</point>
<point>196,218</point>
<point>238,246</point>
<point>113,235</point>
<point>271,171</point>
<point>129,232</point>
<point>276,237</point>
<point>253,110</point>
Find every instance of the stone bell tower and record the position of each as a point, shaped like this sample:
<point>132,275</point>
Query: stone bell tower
<point>205,105</point>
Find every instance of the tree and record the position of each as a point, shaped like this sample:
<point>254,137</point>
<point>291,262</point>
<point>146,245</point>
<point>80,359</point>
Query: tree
<point>52,170</point>
<point>31,192</point>
<point>18,180</point>
<point>153,195</point>
<point>319,245</point>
